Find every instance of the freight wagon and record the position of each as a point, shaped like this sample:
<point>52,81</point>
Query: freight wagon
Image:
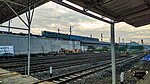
<point>55,35</point>
<point>67,37</point>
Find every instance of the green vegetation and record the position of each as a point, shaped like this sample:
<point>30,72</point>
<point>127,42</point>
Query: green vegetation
<point>105,48</point>
<point>98,50</point>
<point>122,48</point>
<point>139,47</point>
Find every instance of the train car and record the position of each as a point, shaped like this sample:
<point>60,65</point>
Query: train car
<point>75,38</point>
<point>89,39</point>
<point>55,35</point>
<point>66,36</point>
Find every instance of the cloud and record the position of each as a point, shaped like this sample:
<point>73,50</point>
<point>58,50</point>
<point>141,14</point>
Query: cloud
<point>129,32</point>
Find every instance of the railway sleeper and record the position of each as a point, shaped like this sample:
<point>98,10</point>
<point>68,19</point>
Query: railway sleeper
<point>62,79</point>
<point>54,81</point>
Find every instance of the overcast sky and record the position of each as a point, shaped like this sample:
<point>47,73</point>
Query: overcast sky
<point>52,16</point>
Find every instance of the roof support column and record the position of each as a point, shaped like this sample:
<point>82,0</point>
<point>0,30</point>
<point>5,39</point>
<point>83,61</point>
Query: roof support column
<point>113,59</point>
<point>29,16</point>
<point>29,27</point>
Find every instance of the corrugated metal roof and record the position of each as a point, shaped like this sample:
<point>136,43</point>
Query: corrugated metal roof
<point>133,12</point>
<point>20,6</point>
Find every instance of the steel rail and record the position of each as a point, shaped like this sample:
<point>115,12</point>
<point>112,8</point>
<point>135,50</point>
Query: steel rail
<point>80,73</point>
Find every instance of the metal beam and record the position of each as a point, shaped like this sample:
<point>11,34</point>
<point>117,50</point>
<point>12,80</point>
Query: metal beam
<point>130,10</point>
<point>140,23</point>
<point>99,4</point>
<point>16,13</point>
<point>12,2</point>
<point>81,11</point>
<point>92,6</point>
<point>14,27</point>
<point>135,12</point>
<point>21,10</point>
<point>139,18</point>
<point>109,12</point>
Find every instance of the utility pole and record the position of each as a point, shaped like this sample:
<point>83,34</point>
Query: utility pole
<point>58,30</point>
<point>119,40</point>
<point>71,30</point>
<point>9,26</point>
<point>130,41</point>
<point>101,36</point>
<point>122,40</point>
<point>91,35</point>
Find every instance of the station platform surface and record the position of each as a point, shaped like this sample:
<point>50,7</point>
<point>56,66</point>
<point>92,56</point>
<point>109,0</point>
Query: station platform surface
<point>145,80</point>
<point>146,66</point>
<point>7,77</point>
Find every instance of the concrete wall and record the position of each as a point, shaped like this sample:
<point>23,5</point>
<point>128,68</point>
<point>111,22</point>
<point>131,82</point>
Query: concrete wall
<point>38,44</point>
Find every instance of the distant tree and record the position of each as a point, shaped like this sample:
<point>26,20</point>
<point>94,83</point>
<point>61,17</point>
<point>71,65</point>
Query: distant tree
<point>122,48</point>
<point>100,50</point>
<point>139,47</point>
<point>91,47</point>
<point>105,48</point>
<point>116,47</point>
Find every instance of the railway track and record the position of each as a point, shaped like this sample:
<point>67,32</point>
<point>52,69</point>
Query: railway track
<point>57,65</point>
<point>63,79</point>
<point>40,57</point>
<point>45,66</point>
<point>39,61</point>
<point>42,65</point>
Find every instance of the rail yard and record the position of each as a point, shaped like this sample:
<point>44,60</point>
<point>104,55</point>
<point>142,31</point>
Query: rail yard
<point>70,68</point>
<point>74,42</point>
<point>69,63</point>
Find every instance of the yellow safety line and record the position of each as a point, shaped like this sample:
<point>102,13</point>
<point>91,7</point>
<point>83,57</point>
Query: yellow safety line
<point>10,73</point>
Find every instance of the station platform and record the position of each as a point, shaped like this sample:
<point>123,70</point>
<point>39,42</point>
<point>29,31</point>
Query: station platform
<point>146,66</point>
<point>7,77</point>
<point>145,80</point>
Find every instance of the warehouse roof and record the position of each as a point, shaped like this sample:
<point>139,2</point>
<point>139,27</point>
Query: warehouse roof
<point>133,12</point>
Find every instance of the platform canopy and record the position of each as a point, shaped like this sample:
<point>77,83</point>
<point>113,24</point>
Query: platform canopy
<point>133,12</point>
<point>19,6</point>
